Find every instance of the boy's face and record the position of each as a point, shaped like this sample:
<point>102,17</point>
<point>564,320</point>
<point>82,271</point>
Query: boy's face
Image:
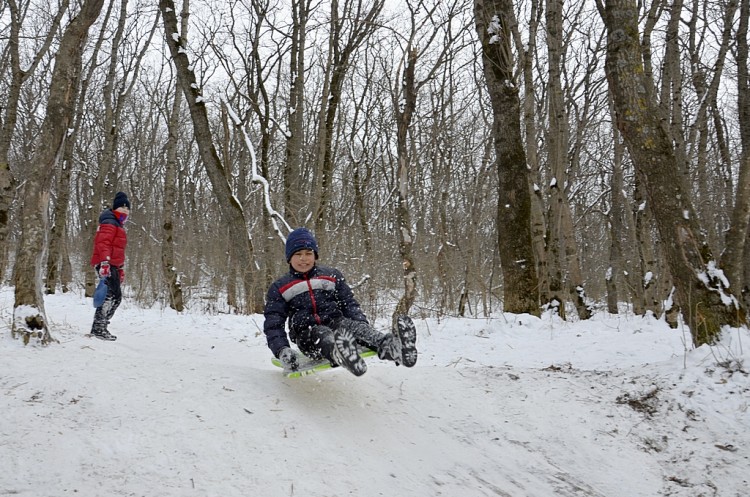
<point>303,260</point>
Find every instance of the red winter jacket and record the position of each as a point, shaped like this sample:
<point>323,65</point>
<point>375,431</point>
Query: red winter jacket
<point>110,241</point>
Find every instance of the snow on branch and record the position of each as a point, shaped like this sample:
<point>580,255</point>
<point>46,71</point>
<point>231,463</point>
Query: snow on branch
<point>257,178</point>
<point>715,280</point>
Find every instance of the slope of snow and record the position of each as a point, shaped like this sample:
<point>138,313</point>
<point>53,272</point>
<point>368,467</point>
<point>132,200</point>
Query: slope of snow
<point>189,404</point>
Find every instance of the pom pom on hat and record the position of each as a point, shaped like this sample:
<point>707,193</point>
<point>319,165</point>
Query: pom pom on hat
<point>300,239</point>
<point>121,200</point>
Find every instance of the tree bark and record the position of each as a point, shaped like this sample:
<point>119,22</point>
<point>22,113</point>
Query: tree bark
<point>295,191</point>
<point>171,166</point>
<point>10,114</point>
<point>60,222</point>
<point>736,257</point>
<point>404,114</point>
<point>29,317</point>
<point>230,208</point>
<point>520,286</point>
<point>705,301</point>
<point>538,221</point>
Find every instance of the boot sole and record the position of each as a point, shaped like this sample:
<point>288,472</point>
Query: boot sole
<point>346,353</point>
<point>407,333</point>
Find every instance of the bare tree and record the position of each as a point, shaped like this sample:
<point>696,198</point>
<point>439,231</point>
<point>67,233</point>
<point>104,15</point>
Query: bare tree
<point>736,257</point>
<point>702,292</point>
<point>350,28</point>
<point>171,166</point>
<point>29,317</point>
<point>437,21</point>
<point>493,24</point>
<point>18,76</point>
<point>537,218</point>
<point>294,191</point>
<point>706,79</point>
<point>565,266</point>
<point>230,208</point>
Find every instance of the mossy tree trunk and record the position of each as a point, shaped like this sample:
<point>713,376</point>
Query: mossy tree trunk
<point>701,290</point>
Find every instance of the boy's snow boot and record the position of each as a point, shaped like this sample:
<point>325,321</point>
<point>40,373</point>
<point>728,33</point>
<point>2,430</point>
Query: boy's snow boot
<point>390,349</point>
<point>346,354</point>
<point>363,332</point>
<point>407,334</point>
<point>388,346</point>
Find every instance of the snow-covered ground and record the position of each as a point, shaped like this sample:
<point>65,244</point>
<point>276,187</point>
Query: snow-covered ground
<point>190,405</point>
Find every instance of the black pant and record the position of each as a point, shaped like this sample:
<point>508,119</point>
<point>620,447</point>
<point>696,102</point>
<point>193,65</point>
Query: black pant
<point>114,296</point>
<point>317,341</point>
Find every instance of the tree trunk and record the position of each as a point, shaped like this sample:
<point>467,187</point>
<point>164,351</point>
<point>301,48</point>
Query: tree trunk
<point>295,191</point>
<point>520,289</point>
<point>10,110</point>
<point>60,222</point>
<point>361,26</point>
<point>616,230</point>
<point>404,116</point>
<point>171,166</point>
<point>626,263</point>
<point>538,222</point>
<point>736,257</point>
<point>707,85</point>
<point>560,218</point>
<point>705,301</point>
<point>29,317</point>
<point>230,208</point>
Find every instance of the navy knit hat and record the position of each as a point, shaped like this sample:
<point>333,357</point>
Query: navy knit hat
<point>121,200</point>
<point>300,239</point>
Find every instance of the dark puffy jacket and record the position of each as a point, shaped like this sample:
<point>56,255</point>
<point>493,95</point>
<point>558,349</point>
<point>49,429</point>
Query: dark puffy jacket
<point>110,241</point>
<point>320,296</point>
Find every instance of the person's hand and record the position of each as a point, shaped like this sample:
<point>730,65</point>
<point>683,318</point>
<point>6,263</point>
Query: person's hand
<point>288,359</point>
<point>104,270</point>
<point>122,275</point>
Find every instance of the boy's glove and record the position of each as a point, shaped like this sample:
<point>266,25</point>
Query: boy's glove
<point>288,359</point>
<point>122,275</point>
<point>104,270</point>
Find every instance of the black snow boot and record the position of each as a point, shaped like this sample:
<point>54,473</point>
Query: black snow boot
<point>103,335</point>
<point>407,334</point>
<point>345,353</point>
<point>389,349</point>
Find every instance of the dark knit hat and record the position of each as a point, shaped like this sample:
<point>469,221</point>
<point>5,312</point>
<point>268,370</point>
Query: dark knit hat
<point>300,239</point>
<point>121,200</point>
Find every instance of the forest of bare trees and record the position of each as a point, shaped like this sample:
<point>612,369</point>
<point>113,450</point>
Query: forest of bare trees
<point>454,157</point>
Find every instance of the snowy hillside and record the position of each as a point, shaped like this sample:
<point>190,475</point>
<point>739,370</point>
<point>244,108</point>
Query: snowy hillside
<point>190,405</point>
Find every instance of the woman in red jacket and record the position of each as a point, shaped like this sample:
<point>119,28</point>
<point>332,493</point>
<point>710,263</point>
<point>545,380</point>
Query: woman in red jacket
<point>108,258</point>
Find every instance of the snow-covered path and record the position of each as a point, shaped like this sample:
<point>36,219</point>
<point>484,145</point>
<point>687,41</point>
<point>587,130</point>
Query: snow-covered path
<point>189,404</point>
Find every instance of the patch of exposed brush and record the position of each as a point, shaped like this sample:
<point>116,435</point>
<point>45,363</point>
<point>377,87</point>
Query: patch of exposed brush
<point>645,402</point>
